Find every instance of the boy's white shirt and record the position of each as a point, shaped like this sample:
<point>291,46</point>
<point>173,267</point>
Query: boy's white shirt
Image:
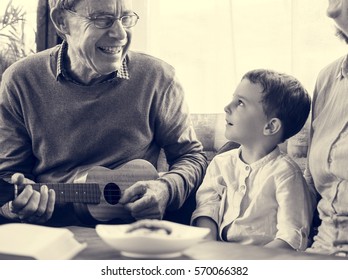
<point>256,203</point>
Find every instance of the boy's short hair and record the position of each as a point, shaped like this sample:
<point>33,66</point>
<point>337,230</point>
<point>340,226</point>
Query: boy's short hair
<point>284,98</point>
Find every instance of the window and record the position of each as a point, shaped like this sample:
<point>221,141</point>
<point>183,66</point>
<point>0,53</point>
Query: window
<point>212,43</point>
<point>25,29</point>
<point>17,31</point>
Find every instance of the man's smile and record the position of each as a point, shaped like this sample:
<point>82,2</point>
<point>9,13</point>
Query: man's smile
<point>111,50</point>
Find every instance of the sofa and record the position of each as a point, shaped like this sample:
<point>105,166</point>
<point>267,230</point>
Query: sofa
<point>209,129</point>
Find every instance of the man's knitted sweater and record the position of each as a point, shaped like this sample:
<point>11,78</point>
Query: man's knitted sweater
<point>51,129</point>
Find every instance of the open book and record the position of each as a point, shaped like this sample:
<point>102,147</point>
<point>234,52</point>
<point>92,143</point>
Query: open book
<point>26,241</point>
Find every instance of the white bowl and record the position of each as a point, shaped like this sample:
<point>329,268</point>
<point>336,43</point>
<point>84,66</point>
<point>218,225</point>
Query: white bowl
<point>152,245</point>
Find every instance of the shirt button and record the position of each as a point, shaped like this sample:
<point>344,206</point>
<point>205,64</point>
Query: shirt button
<point>330,160</point>
<point>247,168</point>
<point>242,188</point>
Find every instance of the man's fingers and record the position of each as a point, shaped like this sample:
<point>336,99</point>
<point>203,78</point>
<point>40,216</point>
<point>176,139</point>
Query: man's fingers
<point>133,193</point>
<point>39,218</point>
<point>22,200</point>
<point>145,207</point>
<point>41,209</point>
<point>143,202</point>
<point>17,179</point>
<point>50,205</point>
<point>31,207</point>
<point>146,202</point>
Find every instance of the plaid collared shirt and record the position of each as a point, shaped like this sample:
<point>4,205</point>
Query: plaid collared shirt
<point>122,73</point>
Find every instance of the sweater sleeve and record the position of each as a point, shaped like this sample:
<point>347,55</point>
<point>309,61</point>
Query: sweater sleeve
<point>15,143</point>
<point>184,153</point>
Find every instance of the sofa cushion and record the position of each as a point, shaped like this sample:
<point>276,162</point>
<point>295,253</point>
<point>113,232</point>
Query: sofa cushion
<point>210,129</point>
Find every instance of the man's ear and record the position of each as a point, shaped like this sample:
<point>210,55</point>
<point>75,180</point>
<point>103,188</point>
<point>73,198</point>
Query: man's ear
<point>272,127</point>
<point>59,21</point>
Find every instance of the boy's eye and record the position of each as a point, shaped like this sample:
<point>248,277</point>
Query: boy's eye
<point>240,103</point>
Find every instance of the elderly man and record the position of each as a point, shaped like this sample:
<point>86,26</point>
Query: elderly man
<point>92,102</point>
<point>328,148</point>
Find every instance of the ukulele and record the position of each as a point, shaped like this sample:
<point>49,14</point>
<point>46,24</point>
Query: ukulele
<point>95,193</point>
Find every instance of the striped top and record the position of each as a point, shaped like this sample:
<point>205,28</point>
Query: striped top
<point>328,156</point>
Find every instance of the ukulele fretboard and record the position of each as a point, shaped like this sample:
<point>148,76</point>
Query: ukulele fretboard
<point>75,193</point>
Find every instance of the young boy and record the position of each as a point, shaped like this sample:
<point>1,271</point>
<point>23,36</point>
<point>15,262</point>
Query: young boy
<point>255,194</point>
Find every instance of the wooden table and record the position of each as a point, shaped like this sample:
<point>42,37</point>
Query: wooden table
<point>208,250</point>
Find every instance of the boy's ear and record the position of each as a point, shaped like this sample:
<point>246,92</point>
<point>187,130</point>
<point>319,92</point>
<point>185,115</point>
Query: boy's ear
<point>59,21</point>
<point>272,127</point>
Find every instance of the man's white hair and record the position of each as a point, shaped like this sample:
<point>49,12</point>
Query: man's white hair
<point>63,4</point>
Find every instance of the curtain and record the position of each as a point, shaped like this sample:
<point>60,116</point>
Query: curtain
<point>46,35</point>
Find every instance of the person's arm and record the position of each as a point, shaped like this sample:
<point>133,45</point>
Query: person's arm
<point>295,211</point>
<point>206,222</point>
<point>208,198</point>
<point>16,158</point>
<point>278,243</point>
<point>307,173</point>
<point>184,152</point>
<point>15,142</point>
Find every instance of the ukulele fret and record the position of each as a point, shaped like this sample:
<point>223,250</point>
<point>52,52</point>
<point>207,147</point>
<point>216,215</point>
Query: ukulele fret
<point>75,193</point>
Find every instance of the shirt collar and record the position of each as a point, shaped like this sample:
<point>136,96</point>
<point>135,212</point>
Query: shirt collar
<point>122,73</point>
<point>259,163</point>
<point>343,73</point>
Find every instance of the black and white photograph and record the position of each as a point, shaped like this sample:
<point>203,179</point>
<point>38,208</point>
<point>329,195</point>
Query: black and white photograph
<point>185,139</point>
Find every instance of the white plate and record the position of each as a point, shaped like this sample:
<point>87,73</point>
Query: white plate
<point>152,245</point>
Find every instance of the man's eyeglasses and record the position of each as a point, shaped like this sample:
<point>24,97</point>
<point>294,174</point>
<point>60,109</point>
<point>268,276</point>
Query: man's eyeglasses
<point>106,21</point>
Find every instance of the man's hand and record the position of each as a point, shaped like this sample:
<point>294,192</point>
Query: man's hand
<point>32,206</point>
<point>146,199</point>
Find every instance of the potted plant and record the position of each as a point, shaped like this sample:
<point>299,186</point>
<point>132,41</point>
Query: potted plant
<point>12,36</point>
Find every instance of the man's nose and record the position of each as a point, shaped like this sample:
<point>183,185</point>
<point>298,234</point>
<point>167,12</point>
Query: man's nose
<point>118,31</point>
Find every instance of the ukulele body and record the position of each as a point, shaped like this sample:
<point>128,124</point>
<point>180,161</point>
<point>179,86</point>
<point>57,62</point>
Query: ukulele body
<point>112,184</point>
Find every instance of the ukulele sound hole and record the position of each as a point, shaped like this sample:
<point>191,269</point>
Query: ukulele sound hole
<point>112,193</point>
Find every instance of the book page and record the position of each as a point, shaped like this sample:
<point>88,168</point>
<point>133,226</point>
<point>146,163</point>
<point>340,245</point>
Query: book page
<point>38,242</point>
